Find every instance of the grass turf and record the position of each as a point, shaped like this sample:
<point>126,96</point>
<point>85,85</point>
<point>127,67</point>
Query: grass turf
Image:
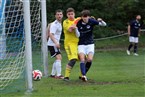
<point>113,74</point>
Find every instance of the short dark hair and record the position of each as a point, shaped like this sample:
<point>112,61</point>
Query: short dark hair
<point>58,10</point>
<point>85,13</point>
<point>70,10</point>
<point>137,15</point>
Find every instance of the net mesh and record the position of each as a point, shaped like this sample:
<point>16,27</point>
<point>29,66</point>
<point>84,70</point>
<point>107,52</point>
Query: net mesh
<point>35,9</point>
<point>12,40</point>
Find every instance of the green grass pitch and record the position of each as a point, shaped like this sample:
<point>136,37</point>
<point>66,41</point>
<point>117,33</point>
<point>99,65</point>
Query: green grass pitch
<point>113,74</point>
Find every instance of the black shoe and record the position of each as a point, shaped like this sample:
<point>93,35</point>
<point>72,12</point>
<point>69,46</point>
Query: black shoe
<point>66,79</point>
<point>80,77</point>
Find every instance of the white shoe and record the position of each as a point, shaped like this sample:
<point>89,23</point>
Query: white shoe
<point>136,54</point>
<point>128,52</point>
<point>84,78</point>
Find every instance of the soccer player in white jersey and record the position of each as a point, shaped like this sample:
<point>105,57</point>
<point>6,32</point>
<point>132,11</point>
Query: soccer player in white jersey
<point>54,34</point>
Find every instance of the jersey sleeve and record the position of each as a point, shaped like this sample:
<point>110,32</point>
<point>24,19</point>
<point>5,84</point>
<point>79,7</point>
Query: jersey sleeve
<point>94,21</point>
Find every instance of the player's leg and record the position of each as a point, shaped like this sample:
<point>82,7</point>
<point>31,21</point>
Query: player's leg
<point>135,49</point>
<point>68,69</point>
<point>58,66</point>
<point>131,40</point>
<point>52,53</point>
<point>89,61</point>
<point>82,66</point>
<point>81,53</point>
<point>136,46</point>
<point>90,55</point>
<point>72,55</point>
<point>130,46</point>
<point>53,71</point>
<point>82,58</point>
<point>82,63</point>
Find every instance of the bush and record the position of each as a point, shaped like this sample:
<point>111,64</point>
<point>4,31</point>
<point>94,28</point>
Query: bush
<point>101,32</point>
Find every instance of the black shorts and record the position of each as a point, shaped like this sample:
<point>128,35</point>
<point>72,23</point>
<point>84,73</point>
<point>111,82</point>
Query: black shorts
<point>53,51</point>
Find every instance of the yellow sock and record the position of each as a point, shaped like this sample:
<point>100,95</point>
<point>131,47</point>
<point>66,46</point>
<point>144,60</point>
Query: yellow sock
<point>67,71</point>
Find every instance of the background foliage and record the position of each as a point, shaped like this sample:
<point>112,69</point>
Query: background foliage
<point>117,13</point>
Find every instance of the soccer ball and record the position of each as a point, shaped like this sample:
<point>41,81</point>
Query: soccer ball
<point>37,75</point>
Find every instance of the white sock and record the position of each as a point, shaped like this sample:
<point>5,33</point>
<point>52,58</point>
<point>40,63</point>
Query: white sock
<point>53,72</point>
<point>58,67</point>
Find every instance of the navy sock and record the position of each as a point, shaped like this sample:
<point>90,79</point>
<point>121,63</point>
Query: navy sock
<point>135,48</point>
<point>83,68</point>
<point>88,65</point>
<point>130,46</point>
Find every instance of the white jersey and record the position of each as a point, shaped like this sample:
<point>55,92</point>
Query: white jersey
<point>56,30</point>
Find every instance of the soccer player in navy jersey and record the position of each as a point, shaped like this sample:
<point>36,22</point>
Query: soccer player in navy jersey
<point>84,30</point>
<point>133,33</point>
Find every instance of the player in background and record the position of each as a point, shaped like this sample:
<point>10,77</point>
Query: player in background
<point>133,33</point>
<point>84,30</point>
<point>54,34</point>
<point>70,41</point>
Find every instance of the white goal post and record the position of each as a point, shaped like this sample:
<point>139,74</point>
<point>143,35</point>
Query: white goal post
<point>27,27</point>
<point>44,40</point>
<point>28,39</point>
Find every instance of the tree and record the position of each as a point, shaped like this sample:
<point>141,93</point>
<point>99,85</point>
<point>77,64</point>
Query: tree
<point>117,13</point>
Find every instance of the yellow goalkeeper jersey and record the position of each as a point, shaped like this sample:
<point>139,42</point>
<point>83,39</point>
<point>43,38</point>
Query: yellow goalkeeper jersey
<point>70,37</point>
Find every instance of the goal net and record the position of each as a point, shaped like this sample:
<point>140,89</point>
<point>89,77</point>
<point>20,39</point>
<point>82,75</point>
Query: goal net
<point>12,43</point>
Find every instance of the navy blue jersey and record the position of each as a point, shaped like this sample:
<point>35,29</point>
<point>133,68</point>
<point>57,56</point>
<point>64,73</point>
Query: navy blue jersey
<point>86,31</point>
<point>134,28</point>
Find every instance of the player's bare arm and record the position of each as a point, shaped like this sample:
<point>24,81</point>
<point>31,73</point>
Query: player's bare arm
<point>128,30</point>
<point>48,31</point>
<point>54,40</point>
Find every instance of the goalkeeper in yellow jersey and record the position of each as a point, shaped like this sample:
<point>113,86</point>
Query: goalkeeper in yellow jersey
<point>70,41</point>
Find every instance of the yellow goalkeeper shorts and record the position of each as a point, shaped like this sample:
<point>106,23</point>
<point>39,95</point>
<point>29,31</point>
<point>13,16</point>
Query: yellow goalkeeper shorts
<point>72,51</point>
